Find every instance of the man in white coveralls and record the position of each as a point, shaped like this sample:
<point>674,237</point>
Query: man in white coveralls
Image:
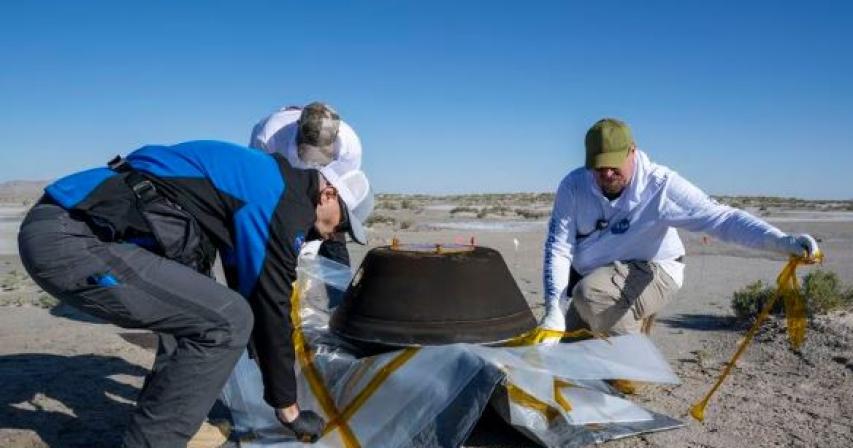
<point>613,232</point>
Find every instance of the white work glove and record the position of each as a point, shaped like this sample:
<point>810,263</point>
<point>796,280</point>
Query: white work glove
<point>553,320</point>
<point>799,245</point>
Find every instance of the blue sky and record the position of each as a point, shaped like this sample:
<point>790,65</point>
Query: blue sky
<point>447,96</point>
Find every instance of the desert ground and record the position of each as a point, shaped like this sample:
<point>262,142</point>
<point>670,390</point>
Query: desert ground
<point>70,381</point>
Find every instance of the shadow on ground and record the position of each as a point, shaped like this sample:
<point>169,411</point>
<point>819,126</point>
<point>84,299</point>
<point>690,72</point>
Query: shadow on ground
<point>68,401</point>
<point>701,322</point>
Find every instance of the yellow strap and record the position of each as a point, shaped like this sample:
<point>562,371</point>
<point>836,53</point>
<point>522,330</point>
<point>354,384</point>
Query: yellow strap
<point>795,305</point>
<point>519,396</point>
<point>371,387</point>
<point>787,287</point>
<point>312,375</point>
<point>558,394</point>
<point>315,381</point>
<point>523,398</point>
<point>539,334</point>
<point>355,378</point>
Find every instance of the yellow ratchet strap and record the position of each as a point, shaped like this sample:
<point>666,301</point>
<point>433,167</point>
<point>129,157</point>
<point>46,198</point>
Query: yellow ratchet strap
<point>795,310</point>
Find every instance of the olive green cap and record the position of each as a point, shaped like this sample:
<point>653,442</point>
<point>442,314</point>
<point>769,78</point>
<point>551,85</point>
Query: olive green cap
<point>608,143</point>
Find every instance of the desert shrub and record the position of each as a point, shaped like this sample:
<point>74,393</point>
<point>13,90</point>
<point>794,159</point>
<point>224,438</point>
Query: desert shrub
<point>13,300</point>
<point>379,219</point>
<point>821,289</point>
<point>824,292</point>
<point>406,224</point>
<point>531,214</point>
<point>407,204</point>
<point>463,209</point>
<point>496,210</point>
<point>748,301</point>
<point>12,280</point>
<point>386,205</point>
<point>47,301</point>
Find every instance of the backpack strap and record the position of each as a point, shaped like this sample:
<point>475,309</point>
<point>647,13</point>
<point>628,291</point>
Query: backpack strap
<point>142,188</point>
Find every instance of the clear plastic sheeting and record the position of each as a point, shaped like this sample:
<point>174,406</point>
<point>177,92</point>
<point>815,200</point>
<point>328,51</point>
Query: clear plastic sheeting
<point>434,396</point>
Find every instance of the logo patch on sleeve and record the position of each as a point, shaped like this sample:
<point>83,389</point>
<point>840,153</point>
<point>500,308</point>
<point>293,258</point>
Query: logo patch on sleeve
<point>298,241</point>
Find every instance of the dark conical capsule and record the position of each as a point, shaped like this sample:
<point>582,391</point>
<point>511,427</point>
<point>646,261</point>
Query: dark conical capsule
<point>404,296</point>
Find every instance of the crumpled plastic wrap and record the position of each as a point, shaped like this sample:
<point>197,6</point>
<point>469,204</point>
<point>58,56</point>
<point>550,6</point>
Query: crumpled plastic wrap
<point>434,396</point>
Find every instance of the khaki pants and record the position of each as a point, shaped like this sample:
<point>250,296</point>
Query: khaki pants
<point>616,298</point>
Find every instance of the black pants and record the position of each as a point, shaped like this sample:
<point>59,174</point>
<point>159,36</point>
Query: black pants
<point>203,326</point>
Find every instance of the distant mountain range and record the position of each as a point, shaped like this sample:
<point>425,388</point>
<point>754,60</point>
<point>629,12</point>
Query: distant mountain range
<point>21,191</point>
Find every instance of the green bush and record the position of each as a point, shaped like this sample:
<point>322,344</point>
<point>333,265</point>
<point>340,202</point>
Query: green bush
<point>824,292</point>
<point>531,214</point>
<point>821,289</point>
<point>749,301</point>
<point>463,209</point>
<point>46,301</point>
<point>387,205</point>
<point>379,219</point>
<point>496,210</point>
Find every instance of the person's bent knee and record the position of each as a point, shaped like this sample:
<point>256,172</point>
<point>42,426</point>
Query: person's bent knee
<point>597,285</point>
<point>583,291</point>
<point>239,323</point>
<point>594,299</point>
<point>602,322</point>
<point>586,314</point>
<point>586,294</point>
<point>230,329</point>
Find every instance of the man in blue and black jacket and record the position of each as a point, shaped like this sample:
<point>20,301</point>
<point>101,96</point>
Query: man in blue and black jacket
<point>133,242</point>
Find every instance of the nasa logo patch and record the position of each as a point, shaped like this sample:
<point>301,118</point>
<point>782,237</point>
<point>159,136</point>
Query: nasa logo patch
<point>298,241</point>
<point>621,226</point>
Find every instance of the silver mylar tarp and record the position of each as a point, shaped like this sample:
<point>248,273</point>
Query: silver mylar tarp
<point>434,396</point>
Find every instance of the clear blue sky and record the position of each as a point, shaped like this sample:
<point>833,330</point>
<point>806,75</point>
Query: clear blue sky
<point>447,96</point>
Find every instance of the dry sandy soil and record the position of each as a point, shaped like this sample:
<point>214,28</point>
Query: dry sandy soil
<point>69,381</point>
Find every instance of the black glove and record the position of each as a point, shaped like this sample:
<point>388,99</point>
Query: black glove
<point>307,427</point>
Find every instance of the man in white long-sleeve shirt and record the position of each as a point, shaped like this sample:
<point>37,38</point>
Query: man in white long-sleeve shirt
<point>312,137</point>
<point>613,229</point>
